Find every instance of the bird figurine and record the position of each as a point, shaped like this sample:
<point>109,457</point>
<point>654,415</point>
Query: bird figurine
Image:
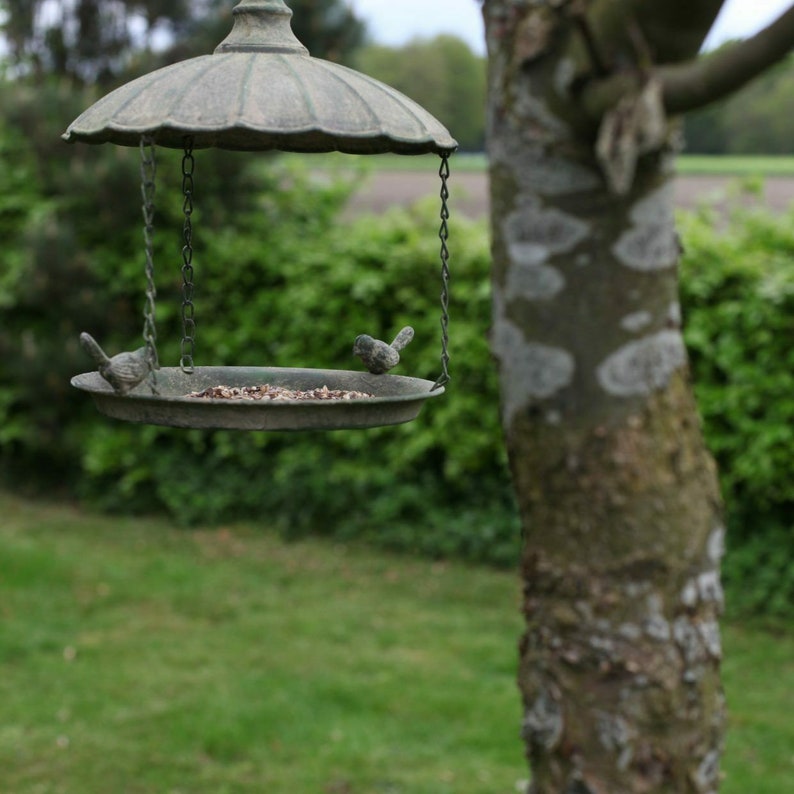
<point>378,357</point>
<point>124,371</point>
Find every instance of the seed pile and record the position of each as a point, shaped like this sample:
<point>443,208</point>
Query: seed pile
<point>268,392</point>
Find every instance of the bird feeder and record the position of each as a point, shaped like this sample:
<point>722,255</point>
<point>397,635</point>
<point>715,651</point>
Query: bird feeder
<point>259,91</point>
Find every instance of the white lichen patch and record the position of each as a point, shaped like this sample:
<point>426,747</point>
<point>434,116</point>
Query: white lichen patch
<point>564,75</point>
<point>698,642</point>
<point>637,589</point>
<point>716,545</point>
<point>656,625</point>
<point>690,595</point>
<point>657,628</point>
<point>650,247</point>
<point>528,254</point>
<point>629,631</point>
<point>530,108</point>
<point>651,242</point>
<point>583,260</point>
<point>543,722</point>
<point>536,170</point>
<point>710,634</point>
<point>655,207</point>
<point>706,588</point>
<point>644,366</point>
<point>636,322</point>
<point>707,777</point>
<point>710,589</point>
<point>537,371</point>
<point>616,736</point>
<point>556,231</point>
<point>538,282</point>
<point>553,418</point>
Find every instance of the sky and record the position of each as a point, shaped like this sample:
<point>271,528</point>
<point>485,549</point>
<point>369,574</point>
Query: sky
<point>394,22</point>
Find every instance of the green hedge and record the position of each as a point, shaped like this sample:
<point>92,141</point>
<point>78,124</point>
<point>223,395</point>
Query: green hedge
<point>282,281</point>
<point>298,297</point>
<point>738,296</point>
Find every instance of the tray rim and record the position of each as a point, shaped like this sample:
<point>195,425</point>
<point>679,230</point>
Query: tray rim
<point>142,407</point>
<point>143,393</point>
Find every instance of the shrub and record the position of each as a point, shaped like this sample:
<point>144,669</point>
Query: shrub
<point>279,282</point>
<point>299,297</point>
<point>738,297</point>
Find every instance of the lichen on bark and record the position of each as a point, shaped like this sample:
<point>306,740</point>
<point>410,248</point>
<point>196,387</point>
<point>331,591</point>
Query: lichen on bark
<point>619,666</point>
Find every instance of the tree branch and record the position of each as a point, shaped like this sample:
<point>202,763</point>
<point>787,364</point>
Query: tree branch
<point>700,82</point>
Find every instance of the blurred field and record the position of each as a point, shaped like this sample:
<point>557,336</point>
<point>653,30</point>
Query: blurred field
<point>720,165</point>
<point>140,659</point>
<point>469,189</point>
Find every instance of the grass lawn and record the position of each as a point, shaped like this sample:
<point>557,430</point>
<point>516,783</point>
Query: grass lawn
<point>730,165</point>
<point>714,165</point>
<point>140,659</point>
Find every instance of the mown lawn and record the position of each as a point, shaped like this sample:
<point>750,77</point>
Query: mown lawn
<point>140,659</point>
<point>713,165</point>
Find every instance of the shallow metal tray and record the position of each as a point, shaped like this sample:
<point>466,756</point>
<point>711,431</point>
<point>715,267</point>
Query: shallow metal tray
<point>396,399</point>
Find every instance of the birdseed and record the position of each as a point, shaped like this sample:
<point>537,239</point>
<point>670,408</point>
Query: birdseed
<point>268,392</point>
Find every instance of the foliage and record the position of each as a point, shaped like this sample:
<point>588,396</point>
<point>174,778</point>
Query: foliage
<point>279,282</point>
<point>738,291</point>
<point>300,290</point>
<point>137,658</point>
<point>88,40</point>
<point>754,120</point>
<point>98,41</point>
<point>443,75</point>
<point>329,29</point>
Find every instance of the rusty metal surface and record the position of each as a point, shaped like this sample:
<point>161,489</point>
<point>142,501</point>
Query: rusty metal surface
<point>261,90</point>
<point>396,399</point>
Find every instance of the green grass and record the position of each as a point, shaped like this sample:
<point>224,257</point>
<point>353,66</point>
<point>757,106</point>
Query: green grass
<point>461,162</point>
<point>719,165</point>
<point>729,165</point>
<point>138,659</point>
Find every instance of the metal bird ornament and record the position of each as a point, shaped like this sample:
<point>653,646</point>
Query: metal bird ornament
<point>378,357</point>
<point>124,371</point>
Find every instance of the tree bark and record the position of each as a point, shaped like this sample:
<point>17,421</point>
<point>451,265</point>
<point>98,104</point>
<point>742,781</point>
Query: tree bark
<point>619,500</point>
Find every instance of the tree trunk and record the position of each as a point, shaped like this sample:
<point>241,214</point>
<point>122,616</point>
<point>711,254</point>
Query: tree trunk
<point>618,497</point>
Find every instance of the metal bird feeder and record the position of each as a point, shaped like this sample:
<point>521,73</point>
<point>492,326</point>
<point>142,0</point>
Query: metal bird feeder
<point>259,91</point>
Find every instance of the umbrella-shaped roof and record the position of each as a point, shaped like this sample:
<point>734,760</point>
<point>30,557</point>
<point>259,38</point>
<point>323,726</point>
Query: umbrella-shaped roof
<point>262,90</point>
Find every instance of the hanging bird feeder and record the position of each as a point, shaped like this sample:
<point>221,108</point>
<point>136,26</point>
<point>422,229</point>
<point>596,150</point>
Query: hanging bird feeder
<point>259,91</point>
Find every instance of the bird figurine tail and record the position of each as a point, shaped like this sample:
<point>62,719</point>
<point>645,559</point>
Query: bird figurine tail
<point>124,371</point>
<point>403,338</point>
<point>91,346</point>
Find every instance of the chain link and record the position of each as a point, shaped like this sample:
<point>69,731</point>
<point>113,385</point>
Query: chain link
<point>443,234</point>
<point>188,309</point>
<point>148,182</point>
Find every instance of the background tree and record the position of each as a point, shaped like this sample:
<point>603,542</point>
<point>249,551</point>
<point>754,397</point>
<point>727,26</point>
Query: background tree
<point>94,40</point>
<point>618,497</point>
<point>441,74</point>
<point>328,28</point>
<point>87,40</point>
<point>754,120</point>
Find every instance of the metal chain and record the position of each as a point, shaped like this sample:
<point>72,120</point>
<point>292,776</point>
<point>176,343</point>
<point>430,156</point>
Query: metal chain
<point>443,234</point>
<point>148,182</point>
<point>188,309</point>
